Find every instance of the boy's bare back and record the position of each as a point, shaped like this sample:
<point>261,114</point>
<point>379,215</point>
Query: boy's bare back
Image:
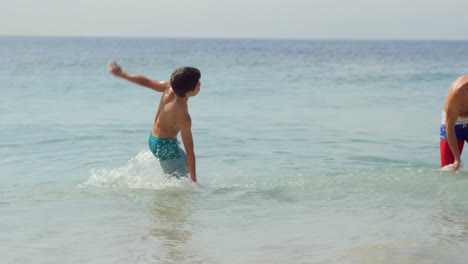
<point>170,112</point>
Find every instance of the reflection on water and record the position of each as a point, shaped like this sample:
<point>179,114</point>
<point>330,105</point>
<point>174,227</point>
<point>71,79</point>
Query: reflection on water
<point>172,227</point>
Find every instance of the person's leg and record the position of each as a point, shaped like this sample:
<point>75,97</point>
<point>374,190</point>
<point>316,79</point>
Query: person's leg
<point>446,156</point>
<point>175,167</point>
<point>171,157</point>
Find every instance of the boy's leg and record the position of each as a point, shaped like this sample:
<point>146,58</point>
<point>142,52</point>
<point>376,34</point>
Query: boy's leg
<point>171,157</point>
<point>446,156</point>
<point>175,167</point>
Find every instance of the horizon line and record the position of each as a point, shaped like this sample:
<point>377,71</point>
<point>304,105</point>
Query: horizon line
<point>228,38</point>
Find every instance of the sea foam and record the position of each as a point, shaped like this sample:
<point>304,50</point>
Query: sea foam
<point>141,172</point>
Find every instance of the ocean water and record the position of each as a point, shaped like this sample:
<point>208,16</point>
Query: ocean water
<point>308,151</point>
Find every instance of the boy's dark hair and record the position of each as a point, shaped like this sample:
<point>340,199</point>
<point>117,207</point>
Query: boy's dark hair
<point>184,79</point>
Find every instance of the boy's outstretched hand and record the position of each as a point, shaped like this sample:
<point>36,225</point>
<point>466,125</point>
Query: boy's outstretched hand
<point>114,68</point>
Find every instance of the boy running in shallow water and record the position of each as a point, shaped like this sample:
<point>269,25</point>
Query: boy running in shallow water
<point>172,116</point>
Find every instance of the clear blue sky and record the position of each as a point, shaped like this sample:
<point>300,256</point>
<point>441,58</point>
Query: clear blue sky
<point>349,19</point>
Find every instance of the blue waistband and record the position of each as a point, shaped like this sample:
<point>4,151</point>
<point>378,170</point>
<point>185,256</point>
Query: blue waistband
<point>461,132</point>
<point>163,140</point>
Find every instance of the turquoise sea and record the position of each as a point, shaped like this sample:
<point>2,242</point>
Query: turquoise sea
<point>308,151</point>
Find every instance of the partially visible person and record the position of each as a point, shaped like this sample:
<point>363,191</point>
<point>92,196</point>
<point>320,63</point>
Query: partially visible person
<point>454,127</point>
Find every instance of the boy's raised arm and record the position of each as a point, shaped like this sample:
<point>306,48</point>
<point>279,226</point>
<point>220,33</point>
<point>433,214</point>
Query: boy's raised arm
<point>159,86</point>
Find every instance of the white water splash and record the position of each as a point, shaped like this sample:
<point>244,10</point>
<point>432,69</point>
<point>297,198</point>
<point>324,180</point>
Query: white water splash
<point>141,172</point>
<point>449,167</point>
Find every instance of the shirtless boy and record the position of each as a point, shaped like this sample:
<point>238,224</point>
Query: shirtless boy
<point>454,129</point>
<point>172,116</point>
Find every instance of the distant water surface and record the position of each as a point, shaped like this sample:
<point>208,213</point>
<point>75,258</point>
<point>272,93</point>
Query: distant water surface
<point>308,151</point>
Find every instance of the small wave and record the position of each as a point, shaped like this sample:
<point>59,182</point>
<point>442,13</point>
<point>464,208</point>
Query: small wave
<point>144,172</point>
<point>141,172</point>
<point>449,167</point>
